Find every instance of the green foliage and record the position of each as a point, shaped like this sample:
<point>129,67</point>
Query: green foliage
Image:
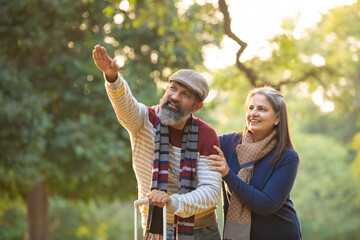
<point>325,58</point>
<point>23,126</point>
<point>356,146</point>
<point>326,194</point>
<point>225,111</point>
<point>75,220</point>
<point>337,40</point>
<point>308,117</point>
<point>57,122</point>
<point>55,129</point>
<point>12,225</point>
<point>78,220</point>
<point>86,221</point>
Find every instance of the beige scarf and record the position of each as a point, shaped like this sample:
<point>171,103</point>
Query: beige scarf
<point>238,219</point>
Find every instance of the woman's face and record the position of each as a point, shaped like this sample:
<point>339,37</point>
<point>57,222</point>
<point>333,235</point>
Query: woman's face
<point>260,117</point>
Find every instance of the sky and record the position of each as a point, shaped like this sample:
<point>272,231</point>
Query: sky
<point>254,21</point>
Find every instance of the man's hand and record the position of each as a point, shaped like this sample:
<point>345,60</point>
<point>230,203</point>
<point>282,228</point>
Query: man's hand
<point>158,198</point>
<point>105,63</point>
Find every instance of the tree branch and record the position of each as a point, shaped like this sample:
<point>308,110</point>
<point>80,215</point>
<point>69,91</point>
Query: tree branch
<point>292,81</point>
<point>249,72</point>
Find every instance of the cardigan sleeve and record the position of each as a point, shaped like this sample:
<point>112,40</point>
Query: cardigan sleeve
<point>276,191</point>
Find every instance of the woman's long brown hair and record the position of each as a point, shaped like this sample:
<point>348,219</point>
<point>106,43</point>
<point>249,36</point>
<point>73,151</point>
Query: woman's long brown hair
<point>278,104</point>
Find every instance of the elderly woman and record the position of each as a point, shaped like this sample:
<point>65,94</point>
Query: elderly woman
<point>259,168</point>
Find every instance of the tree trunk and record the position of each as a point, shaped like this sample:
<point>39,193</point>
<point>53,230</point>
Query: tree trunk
<point>37,214</point>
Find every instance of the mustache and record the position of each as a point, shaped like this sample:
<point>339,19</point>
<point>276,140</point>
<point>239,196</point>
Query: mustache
<point>170,100</point>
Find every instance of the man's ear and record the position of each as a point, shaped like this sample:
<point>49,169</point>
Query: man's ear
<point>197,107</point>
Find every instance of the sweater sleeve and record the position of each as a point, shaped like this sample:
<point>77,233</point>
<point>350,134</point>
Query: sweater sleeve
<point>208,190</point>
<point>204,197</point>
<point>129,112</point>
<point>273,195</point>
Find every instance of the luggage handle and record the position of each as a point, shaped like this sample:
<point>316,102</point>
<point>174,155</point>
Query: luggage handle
<point>142,201</point>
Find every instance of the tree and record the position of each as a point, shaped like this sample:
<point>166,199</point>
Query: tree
<point>325,60</point>
<point>321,58</point>
<point>59,135</point>
<point>286,55</point>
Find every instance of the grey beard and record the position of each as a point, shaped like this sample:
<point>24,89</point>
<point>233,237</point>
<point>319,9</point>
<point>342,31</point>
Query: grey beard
<point>169,117</point>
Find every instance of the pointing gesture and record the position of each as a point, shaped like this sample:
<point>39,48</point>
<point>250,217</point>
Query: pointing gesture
<point>105,63</point>
<point>220,164</point>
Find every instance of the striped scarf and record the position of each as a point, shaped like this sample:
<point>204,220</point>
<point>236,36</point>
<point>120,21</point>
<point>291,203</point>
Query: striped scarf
<point>238,220</point>
<point>183,227</point>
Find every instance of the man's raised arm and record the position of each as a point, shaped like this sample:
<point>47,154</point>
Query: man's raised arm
<point>129,112</point>
<point>105,63</point>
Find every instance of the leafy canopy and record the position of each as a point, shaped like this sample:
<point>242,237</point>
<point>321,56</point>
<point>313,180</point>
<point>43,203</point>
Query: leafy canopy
<point>57,124</point>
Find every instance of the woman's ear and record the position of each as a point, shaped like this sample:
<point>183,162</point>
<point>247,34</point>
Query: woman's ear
<point>277,119</point>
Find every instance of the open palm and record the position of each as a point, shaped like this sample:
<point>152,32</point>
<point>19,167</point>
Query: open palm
<point>106,64</point>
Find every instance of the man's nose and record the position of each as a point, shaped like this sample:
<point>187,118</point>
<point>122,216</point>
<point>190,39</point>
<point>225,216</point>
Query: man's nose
<point>176,97</point>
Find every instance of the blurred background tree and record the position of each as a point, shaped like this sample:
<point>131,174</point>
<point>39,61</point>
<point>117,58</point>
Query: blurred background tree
<point>60,140</point>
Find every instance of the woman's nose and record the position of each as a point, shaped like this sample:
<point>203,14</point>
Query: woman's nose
<point>253,112</point>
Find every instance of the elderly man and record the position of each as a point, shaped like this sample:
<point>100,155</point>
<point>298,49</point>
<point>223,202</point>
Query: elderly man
<point>169,148</point>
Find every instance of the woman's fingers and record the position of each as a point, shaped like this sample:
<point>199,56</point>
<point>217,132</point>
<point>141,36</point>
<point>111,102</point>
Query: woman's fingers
<point>221,169</point>
<point>213,157</point>
<point>215,168</point>
<point>213,163</point>
<point>220,152</point>
<point>219,164</point>
<point>217,158</point>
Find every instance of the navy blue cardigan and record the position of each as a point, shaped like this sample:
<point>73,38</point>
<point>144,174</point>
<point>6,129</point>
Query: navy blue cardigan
<point>273,216</point>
